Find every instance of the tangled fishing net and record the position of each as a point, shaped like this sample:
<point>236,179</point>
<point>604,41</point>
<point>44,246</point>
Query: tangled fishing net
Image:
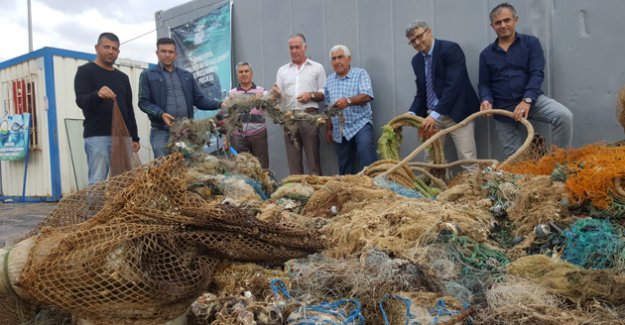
<point>238,105</point>
<point>595,243</point>
<point>391,247</point>
<point>189,137</point>
<point>149,248</point>
<point>568,281</point>
<point>591,173</point>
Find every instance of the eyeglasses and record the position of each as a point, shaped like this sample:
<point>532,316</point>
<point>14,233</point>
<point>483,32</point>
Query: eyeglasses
<point>417,37</point>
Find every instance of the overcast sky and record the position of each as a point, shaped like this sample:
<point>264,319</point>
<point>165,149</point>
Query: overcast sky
<point>75,25</point>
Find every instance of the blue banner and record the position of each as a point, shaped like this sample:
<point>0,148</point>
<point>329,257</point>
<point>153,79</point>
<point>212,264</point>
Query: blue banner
<point>204,48</point>
<point>14,136</point>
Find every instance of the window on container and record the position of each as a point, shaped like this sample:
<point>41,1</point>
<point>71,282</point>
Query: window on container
<point>20,97</point>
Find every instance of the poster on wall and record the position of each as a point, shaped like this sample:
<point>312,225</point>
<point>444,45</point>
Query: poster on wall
<point>14,133</point>
<point>204,48</point>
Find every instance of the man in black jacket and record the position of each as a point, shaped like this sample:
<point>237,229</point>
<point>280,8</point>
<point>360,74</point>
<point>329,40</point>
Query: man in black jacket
<point>167,92</point>
<point>96,85</point>
<point>444,92</point>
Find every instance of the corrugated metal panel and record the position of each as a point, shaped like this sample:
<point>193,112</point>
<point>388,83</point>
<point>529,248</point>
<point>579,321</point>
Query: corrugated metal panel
<point>38,178</point>
<point>584,60</point>
<point>64,72</point>
<point>143,123</point>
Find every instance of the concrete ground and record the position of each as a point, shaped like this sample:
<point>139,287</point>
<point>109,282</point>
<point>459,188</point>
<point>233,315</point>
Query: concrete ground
<point>17,219</point>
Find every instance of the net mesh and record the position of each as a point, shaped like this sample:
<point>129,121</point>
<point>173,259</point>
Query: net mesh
<point>123,158</point>
<point>140,247</point>
<point>591,173</point>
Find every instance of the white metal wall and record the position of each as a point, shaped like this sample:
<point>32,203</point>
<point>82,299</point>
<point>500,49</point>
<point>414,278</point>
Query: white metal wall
<point>38,182</point>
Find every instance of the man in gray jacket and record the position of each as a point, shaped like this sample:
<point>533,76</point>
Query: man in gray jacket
<point>167,92</point>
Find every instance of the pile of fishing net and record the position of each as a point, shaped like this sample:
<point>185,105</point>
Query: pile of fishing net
<point>139,248</point>
<point>385,250</point>
<point>404,247</point>
<point>593,174</point>
<point>393,245</point>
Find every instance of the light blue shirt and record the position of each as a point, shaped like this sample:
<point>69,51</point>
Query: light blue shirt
<point>357,81</point>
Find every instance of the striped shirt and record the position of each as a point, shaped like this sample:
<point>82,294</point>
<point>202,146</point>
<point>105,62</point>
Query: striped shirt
<point>254,117</point>
<point>356,82</point>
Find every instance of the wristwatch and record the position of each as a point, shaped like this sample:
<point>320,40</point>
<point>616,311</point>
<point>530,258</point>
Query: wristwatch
<point>528,100</point>
<point>349,101</point>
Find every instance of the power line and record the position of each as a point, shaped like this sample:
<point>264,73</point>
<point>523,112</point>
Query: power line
<point>137,37</point>
<point>216,4</point>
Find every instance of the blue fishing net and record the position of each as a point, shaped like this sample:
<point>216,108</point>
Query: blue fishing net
<point>594,243</point>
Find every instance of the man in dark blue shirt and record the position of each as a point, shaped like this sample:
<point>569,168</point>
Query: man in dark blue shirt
<point>511,75</point>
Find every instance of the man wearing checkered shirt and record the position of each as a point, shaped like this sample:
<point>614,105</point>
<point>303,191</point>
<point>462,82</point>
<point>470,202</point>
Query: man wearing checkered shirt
<point>349,89</point>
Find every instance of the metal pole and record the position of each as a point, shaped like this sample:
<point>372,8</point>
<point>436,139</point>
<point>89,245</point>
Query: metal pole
<point>30,29</point>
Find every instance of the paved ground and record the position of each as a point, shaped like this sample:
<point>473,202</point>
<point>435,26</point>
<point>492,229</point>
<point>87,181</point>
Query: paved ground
<point>17,219</point>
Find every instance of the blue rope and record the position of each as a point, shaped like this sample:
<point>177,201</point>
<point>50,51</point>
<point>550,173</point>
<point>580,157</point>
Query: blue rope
<point>258,187</point>
<point>335,309</point>
<point>330,308</point>
<point>406,301</point>
<point>279,287</point>
<point>441,310</point>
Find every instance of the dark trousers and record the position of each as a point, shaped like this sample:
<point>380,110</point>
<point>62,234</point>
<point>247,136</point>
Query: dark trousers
<point>308,137</point>
<point>255,144</point>
<point>356,153</point>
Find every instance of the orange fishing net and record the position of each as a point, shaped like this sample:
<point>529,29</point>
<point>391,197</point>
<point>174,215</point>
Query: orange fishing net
<point>593,172</point>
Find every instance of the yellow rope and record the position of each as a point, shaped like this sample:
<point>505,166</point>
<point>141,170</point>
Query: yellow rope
<point>439,134</point>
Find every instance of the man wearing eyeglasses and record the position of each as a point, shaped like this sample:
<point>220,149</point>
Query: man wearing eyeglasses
<point>511,75</point>
<point>444,92</point>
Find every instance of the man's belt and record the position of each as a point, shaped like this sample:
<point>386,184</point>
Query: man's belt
<point>311,110</point>
<point>252,118</point>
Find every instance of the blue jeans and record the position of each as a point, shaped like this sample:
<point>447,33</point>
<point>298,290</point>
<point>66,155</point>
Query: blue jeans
<point>545,110</point>
<point>98,151</point>
<point>159,139</point>
<point>360,146</point>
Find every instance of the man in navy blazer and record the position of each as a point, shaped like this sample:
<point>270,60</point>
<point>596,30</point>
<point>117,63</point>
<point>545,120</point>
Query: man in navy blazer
<point>444,92</point>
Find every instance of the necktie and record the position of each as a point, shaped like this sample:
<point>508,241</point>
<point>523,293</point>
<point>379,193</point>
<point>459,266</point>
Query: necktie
<point>429,84</point>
